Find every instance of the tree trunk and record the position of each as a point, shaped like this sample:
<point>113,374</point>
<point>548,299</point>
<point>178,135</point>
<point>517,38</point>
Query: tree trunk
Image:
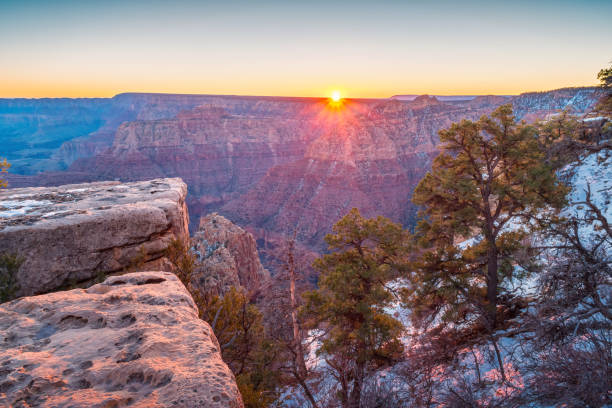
<point>355,396</point>
<point>297,338</point>
<point>491,281</point>
<point>499,360</point>
<point>301,373</point>
<point>309,395</point>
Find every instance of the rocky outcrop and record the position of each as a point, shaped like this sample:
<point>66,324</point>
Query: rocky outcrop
<point>226,256</point>
<point>133,340</point>
<point>79,232</point>
<point>532,106</point>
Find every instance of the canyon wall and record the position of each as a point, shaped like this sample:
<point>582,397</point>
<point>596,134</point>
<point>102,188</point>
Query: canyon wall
<point>274,165</point>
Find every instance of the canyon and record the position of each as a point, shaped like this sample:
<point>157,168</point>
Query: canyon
<point>278,166</point>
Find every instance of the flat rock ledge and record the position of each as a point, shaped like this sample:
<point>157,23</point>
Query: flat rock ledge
<point>134,340</point>
<point>74,233</point>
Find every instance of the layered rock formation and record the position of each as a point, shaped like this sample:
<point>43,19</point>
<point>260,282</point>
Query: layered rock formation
<point>226,256</point>
<point>134,340</point>
<point>218,154</point>
<point>75,233</point>
<point>369,158</point>
<point>271,164</point>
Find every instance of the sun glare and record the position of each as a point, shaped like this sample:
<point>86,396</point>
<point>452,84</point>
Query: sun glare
<point>335,96</point>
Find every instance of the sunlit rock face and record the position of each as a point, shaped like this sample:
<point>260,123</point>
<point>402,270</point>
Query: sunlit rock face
<point>75,233</point>
<point>218,154</point>
<point>226,257</point>
<point>133,340</point>
<point>369,157</point>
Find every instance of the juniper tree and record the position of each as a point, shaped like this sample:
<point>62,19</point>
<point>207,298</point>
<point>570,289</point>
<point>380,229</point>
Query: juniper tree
<point>490,178</point>
<point>358,335</point>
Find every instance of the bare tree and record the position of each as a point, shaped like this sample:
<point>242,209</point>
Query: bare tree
<point>281,305</point>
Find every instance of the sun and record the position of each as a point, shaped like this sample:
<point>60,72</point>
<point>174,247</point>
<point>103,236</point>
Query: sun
<point>335,96</point>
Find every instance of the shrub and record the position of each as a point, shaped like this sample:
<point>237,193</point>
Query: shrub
<point>9,267</point>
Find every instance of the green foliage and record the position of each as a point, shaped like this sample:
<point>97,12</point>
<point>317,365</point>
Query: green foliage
<point>4,166</point>
<point>183,260</point>
<point>238,325</point>
<point>490,174</point>
<point>559,138</point>
<point>605,77</point>
<point>9,267</point>
<point>358,334</point>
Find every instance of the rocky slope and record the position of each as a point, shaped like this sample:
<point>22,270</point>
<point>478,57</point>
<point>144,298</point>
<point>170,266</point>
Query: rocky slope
<point>79,232</point>
<point>134,340</point>
<point>226,256</point>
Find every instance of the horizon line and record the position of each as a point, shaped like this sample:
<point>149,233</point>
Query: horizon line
<point>293,96</point>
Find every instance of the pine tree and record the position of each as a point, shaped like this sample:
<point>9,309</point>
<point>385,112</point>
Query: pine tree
<point>489,180</point>
<point>349,306</point>
<point>605,80</point>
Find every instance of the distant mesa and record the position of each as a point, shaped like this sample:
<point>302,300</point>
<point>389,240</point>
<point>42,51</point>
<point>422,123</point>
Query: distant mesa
<point>443,98</point>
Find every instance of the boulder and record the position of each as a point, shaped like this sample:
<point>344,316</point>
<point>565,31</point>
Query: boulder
<point>133,340</point>
<point>79,232</point>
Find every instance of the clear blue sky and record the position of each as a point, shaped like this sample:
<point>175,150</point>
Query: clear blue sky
<point>363,48</point>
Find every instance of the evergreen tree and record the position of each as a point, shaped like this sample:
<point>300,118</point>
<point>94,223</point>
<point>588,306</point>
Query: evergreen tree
<point>489,180</point>
<point>605,77</point>
<point>357,335</point>
<point>605,80</point>
<point>238,326</point>
<point>4,166</point>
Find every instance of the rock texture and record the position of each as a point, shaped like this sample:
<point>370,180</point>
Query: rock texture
<point>134,340</point>
<point>226,256</point>
<point>77,232</point>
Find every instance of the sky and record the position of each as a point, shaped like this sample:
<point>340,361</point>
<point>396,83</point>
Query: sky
<point>66,48</point>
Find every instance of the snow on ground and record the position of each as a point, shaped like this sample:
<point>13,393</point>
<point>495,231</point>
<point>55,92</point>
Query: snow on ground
<point>12,208</point>
<point>595,171</point>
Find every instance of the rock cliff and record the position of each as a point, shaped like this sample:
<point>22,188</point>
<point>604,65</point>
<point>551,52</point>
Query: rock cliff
<point>226,256</point>
<point>133,340</point>
<point>79,232</point>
